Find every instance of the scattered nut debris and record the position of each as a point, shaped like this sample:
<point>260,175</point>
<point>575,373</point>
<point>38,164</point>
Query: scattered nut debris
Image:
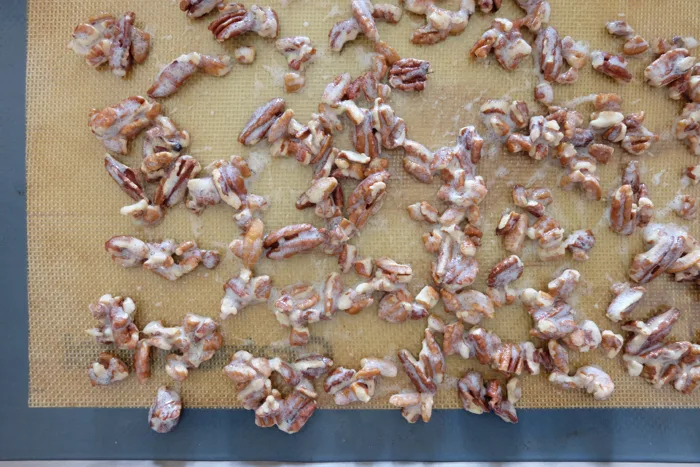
<point>106,39</point>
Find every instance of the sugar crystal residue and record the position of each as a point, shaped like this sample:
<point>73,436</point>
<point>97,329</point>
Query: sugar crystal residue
<point>277,74</point>
<point>258,160</point>
<point>334,11</point>
<point>656,179</point>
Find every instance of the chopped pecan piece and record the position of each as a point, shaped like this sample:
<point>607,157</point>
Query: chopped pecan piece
<point>174,75</point>
<point>469,306</point>
<point>409,74</point>
<point>688,127</point>
<point>513,228</point>
<point>506,271</point>
<point>164,414</point>
<point>198,8</point>
<point>537,13</point>
<point>590,377</point>
<point>295,309</point>
<point>387,12</point>
<point>479,396</point>
<point>173,186</point>
<point>533,200</point>
<point>107,369</point>
<point>553,318</point>
<point>118,328</point>
<point>362,12</point>
<point>666,244</point>
<point>244,290</point>
<point>115,126</point>
<point>549,236</point>
<point>294,82</point>
<point>162,145</point>
<point>126,178</point>
<point>684,206</point>
<point>630,205</point>
<point>298,51</point>
<point>349,386</point>
<point>669,67</point>
<point>506,42</point>
<point>647,334</point>
<point>290,240</point>
<point>235,20</point>
<point>626,299</point>
<point>614,66</point>
<point>442,23</point>
<point>367,198</point>
<point>342,32</point>
<point>611,343</point>
<point>544,134</point>
<point>104,39</point>
<point>634,44</point>
<point>244,55</point>
<point>260,122</point>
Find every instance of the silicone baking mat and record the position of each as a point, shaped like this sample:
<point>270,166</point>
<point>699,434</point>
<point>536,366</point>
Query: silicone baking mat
<point>73,206</point>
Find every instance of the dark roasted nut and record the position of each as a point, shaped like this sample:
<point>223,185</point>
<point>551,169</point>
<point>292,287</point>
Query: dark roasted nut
<point>174,75</point>
<point>666,243</point>
<point>261,121</point>
<point>611,65</point>
<point>288,241</point>
<point>115,126</point>
<point>409,74</point>
<point>118,328</point>
<point>107,369</point>
<point>591,378</point>
<point>164,414</point>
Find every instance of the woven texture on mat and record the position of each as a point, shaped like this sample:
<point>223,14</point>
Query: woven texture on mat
<point>73,206</point>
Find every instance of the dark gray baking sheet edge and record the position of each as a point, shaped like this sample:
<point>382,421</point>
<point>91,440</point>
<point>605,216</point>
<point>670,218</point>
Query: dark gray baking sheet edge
<point>572,435</point>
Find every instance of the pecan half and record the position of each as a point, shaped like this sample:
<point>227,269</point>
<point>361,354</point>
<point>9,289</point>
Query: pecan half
<point>261,121</point>
<point>163,144</point>
<point>533,200</point>
<point>348,386</point>
<point>293,239</point>
<point>614,66</point>
<point>625,301</point>
<point>506,271</point>
<point>409,74</point>
<point>506,42</point>
<point>295,309</point>
<point>669,67</point>
<point>115,126</point>
<point>362,12</point>
<point>513,228</point>
<point>173,186</point>
<point>590,377</point>
<point>688,127</point>
<point>666,244</point>
<point>174,75</point>
<point>164,414</point>
<point>367,198</point>
<point>244,290</point>
<point>235,20</point>
<point>685,206</point>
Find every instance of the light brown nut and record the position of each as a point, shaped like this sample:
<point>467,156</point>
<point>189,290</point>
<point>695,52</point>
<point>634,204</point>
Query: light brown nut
<point>564,284</point>
<point>244,55</point>
<point>347,257</point>
<point>635,45</point>
<point>548,45</point>
<point>579,243</point>
<point>293,239</point>
<point>468,306</point>
<point>575,53</point>
<point>692,173</point>
<point>362,11</point>
<point>591,378</point>
<point>669,67</point>
<point>549,236</point>
<point>452,269</point>
<point>461,189</point>
<point>198,8</point>
<point>163,144</point>
<point>127,251</point>
<point>532,200</point>
<point>665,243</point>
<point>294,82</point>
<point>236,20</point>
<point>688,127</point>
<point>619,28</point>
<point>296,309</point>
<point>244,290</point>
<point>261,121</point>
<point>392,129</point>
<point>684,206</point>
<point>173,186</point>
<point>614,66</point>
<point>115,126</point>
<point>120,50</point>
<point>388,52</point>
<point>126,178</point>
<point>409,74</point>
<point>336,90</point>
<point>343,32</point>
<point>396,307</point>
<point>164,414</point>
<point>646,334</point>
<point>107,369</point>
<point>552,317</point>
<point>602,153</point>
<point>423,211</point>
<point>320,190</point>
<point>367,198</point>
<point>673,363</point>
<point>611,343</point>
<point>174,75</point>
<point>506,271</point>
<point>298,50</point>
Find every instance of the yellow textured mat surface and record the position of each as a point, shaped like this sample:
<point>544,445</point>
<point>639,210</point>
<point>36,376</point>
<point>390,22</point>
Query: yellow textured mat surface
<point>73,206</point>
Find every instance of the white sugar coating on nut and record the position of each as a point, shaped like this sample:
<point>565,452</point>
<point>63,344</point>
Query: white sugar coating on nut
<point>164,414</point>
<point>245,55</point>
<point>591,378</point>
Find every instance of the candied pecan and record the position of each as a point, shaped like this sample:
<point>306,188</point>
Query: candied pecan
<point>362,11</point>
<point>506,42</point>
<point>292,239</point>
<point>126,178</point>
<point>338,233</point>
<point>687,86</point>
<point>506,271</point>
<point>544,134</point>
<point>579,243</point>
<point>478,396</point>
<point>118,328</point>
<point>342,32</point>
<point>442,23</point>
<point>611,343</point>
<point>513,228</point>
<point>590,377</point>
<point>163,144</point>
<point>261,121</point>
<point>646,334</point>
<point>488,6</point>
<point>549,47</point>
<point>244,55</point>
<point>564,284</point>
<point>409,74</point>
<point>469,306</point>
<point>544,93</point>
<point>195,342</point>
<point>452,269</point>
<point>472,392</point>
<point>537,13</point>
<point>249,248</point>
<point>581,171</point>
<point>348,386</point>
<point>320,190</point>
<point>461,188</point>
<point>143,213</point>
<point>392,129</point>
<point>172,187</point>
<point>115,126</point>
<point>669,67</point>
<point>198,8</point>
<point>553,317</point>
<point>550,238</point>
<point>688,127</point>
<point>533,200</point>
<point>336,90</point>
<point>295,309</point>
<point>575,53</point>
<point>630,205</point>
<point>294,82</point>
<point>420,162</point>
<point>626,299</point>
<point>107,369</point>
<point>298,51</point>
<point>387,12</point>
<point>665,245</point>
<point>244,290</point>
<point>396,307</point>
<point>367,198</point>
<point>235,20</point>
<point>425,374</point>
<point>638,138</point>
<point>614,66</point>
<point>674,363</point>
<point>174,75</point>
<point>164,414</point>
<point>586,337</point>
<point>684,206</point>
<point>104,39</point>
